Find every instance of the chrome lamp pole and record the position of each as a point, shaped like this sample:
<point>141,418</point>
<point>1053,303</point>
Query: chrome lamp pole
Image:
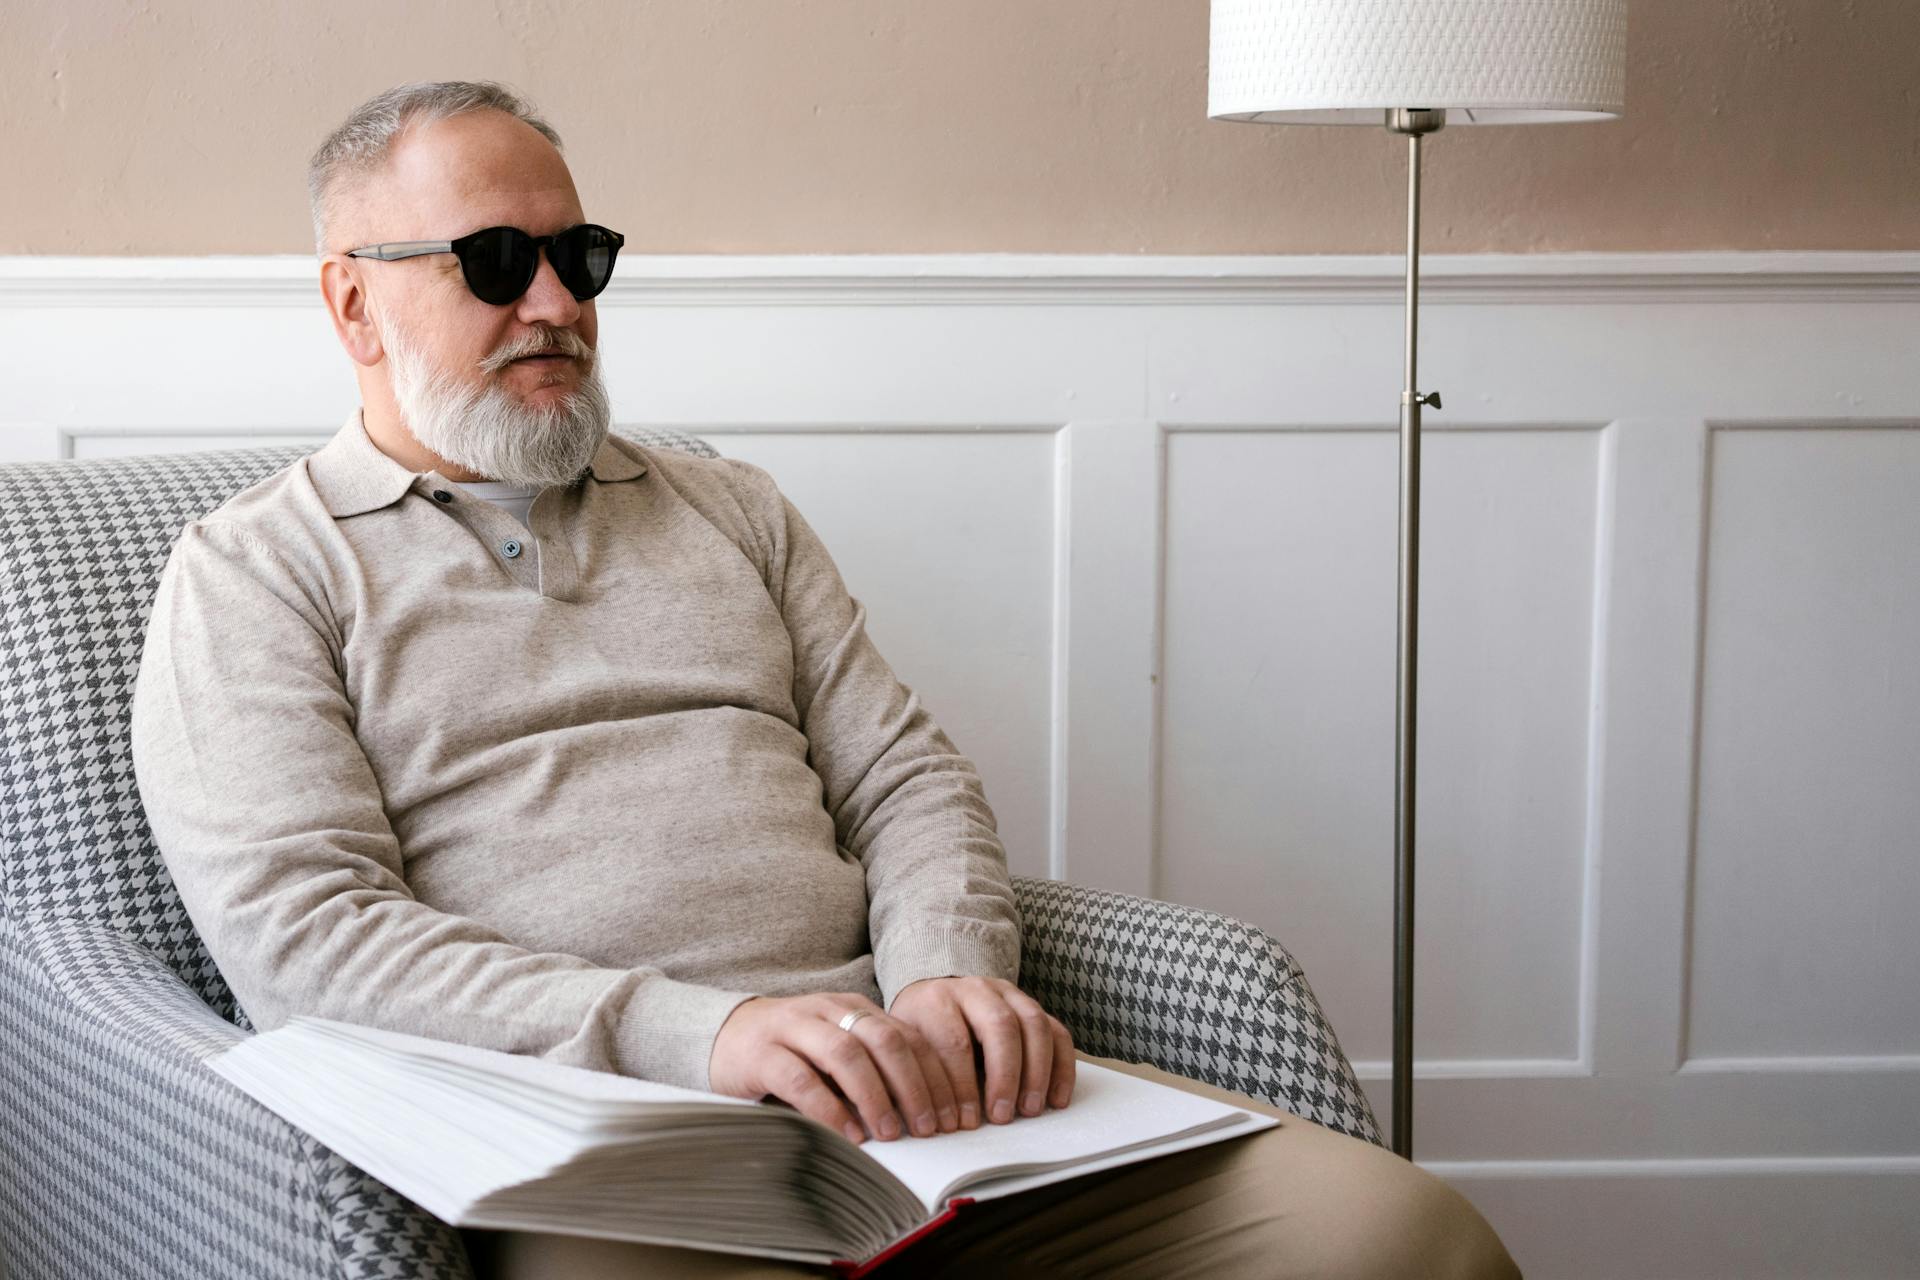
<point>1473,62</point>
<point>1414,122</point>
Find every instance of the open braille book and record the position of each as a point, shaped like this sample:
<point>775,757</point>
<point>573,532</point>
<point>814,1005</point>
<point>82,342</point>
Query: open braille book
<point>487,1139</point>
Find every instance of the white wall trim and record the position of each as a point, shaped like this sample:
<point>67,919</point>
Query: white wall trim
<point>1808,1064</point>
<point>1718,1167</point>
<point>289,280</point>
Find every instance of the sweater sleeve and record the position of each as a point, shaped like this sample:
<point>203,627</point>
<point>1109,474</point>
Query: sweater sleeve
<point>269,816</point>
<point>902,797</point>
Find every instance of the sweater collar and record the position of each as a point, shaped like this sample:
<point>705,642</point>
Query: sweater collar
<point>352,475</point>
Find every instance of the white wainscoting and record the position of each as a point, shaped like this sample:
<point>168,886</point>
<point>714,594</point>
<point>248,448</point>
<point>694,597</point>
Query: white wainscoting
<point>1127,525</point>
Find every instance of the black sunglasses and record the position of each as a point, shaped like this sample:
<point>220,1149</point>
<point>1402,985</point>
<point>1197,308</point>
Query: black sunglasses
<point>500,262</point>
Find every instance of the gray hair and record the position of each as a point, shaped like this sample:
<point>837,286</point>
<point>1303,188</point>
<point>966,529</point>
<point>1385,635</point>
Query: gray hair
<point>361,145</point>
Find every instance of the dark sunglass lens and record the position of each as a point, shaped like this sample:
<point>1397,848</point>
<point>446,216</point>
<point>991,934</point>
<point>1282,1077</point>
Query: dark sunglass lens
<point>583,256</point>
<point>499,264</point>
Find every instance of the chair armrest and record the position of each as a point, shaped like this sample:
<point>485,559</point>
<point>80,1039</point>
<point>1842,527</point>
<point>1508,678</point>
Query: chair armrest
<point>122,1153</point>
<point>1192,992</point>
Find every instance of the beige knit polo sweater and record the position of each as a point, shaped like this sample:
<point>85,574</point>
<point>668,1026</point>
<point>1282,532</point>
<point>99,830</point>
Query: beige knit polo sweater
<point>573,792</point>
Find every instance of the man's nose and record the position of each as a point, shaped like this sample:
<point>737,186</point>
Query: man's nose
<point>546,298</point>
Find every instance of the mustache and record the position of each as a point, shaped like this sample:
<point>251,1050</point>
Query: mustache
<point>543,340</point>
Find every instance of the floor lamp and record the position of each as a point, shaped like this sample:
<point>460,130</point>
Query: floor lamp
<point>1414,66</point>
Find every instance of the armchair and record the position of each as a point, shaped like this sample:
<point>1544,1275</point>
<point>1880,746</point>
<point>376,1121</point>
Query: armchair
<point>122,1154</point>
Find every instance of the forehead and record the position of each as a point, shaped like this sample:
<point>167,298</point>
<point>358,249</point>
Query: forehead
<point>477,169</point>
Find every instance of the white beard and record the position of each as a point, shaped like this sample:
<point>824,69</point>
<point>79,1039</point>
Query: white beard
<point>485,429</point>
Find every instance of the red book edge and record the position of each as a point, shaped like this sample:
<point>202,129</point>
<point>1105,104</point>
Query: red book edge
<point>854,1270</point>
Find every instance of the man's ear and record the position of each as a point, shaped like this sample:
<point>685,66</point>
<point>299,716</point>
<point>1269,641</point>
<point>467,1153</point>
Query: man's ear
<point>347,306</point>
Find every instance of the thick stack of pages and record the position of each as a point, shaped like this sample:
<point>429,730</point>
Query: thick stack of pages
<point>499,1140</point>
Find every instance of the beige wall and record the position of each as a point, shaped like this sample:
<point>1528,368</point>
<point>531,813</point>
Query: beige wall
<point>900,126</point>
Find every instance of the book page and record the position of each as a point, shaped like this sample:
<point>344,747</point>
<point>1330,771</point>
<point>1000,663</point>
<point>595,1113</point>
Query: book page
<point>548,1078</point>
<point>385,1101</point>
<point>1112,1116</point>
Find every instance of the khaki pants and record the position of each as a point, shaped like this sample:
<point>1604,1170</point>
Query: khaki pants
<point>1294,1200</point>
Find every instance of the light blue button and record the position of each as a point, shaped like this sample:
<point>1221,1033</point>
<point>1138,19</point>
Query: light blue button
<point>510,548</point>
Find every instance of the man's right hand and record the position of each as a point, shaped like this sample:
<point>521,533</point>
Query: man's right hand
<point>793,1048</point>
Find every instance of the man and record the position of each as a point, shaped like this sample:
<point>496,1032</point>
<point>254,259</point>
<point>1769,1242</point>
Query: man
<point>484,724</point>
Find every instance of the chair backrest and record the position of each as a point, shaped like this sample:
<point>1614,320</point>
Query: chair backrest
<point>82,544</point>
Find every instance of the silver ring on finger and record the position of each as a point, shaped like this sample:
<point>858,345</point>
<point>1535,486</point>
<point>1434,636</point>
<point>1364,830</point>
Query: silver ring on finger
<point>853,1016</point>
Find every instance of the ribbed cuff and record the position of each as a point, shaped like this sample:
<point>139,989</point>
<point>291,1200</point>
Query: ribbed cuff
<point>901,959</point>
<point>667,1030</point>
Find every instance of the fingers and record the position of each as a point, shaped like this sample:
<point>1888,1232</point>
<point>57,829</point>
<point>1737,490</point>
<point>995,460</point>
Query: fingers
<point>1036,1042</point>
<point>842,1057</point>
<point>903,1057</point>
<point>947,1115</point>
<point>790,1047</point>
<point>1026,1053</point>
<point>998,1031</point>
<point>885,1068</point>
<point>1064,1062</point>
<point>946,1031</point>
<point>792,1079</point>
<point>889,1075</point>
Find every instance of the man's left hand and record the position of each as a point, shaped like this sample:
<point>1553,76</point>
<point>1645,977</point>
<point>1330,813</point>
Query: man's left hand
<point>1026,1052</point>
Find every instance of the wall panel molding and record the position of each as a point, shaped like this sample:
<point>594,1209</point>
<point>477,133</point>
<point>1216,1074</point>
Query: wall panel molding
<point>290,280</point>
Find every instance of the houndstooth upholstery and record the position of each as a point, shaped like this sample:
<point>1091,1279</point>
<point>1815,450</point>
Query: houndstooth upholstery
<point>1195,993</point>
<point>121,1154</point>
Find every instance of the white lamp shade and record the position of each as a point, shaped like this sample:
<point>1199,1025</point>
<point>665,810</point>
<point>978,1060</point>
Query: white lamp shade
<point>1484,61</point>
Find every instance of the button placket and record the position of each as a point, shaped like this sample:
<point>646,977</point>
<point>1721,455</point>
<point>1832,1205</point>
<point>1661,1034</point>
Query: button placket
<point>497,531</point>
